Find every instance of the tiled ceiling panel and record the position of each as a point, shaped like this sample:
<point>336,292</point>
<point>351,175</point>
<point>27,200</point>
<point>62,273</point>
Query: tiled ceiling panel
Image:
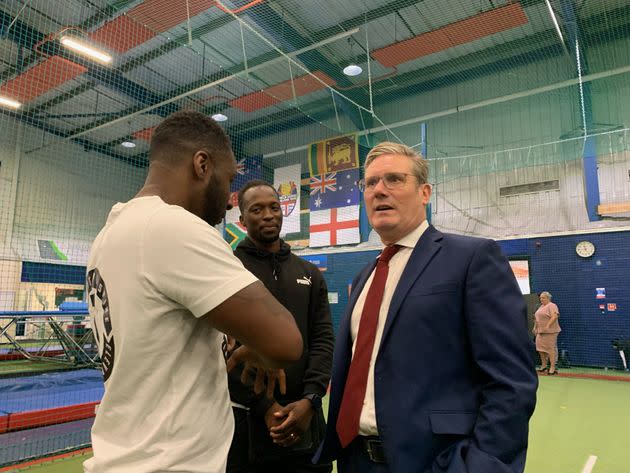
<point>453,34</point>
<point>41,78</point>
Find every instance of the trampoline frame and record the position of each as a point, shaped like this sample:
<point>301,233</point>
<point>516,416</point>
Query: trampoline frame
<point>74,352</point>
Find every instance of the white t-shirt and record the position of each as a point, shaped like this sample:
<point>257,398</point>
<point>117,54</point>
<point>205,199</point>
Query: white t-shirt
<point>153,271</point>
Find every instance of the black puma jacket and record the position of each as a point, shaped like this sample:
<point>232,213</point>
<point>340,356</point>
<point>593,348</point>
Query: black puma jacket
<point>300,288</point>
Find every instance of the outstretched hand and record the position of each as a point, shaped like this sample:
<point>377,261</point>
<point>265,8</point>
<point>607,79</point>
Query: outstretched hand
<point>254,366</point>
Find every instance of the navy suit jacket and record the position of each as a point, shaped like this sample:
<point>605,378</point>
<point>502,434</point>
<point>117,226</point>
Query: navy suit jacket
<point>454,381</point>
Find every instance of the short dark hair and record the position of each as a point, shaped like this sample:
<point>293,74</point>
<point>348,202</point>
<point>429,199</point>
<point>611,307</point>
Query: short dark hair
<point>419,165</point>
<point>188,131</point>
<point>248,185</point>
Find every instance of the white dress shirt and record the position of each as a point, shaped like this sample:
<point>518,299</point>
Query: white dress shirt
<point>367,422</point>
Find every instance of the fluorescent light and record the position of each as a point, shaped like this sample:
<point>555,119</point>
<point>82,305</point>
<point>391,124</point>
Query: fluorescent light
<point>7,102</point>
<point>352,70</point>
<point>128,144</point>
<point>555,20</point>
<point>85,49</point>
<point>219,117</point>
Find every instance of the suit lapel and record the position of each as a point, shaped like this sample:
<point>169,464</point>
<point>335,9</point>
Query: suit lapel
<point>423,253</point>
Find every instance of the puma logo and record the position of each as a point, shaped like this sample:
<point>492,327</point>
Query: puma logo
<point>306,280</point>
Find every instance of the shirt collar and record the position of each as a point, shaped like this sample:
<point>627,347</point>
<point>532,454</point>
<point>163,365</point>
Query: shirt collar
<point>411,239</point>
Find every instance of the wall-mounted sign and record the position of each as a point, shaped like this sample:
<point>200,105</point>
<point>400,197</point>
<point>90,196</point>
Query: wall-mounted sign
<point>321,261</point>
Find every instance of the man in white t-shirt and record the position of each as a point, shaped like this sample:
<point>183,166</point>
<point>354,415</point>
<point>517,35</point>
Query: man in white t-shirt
<point>163,285</point>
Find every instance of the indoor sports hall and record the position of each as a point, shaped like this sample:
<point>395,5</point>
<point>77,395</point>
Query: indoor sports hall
<point>521,107</point>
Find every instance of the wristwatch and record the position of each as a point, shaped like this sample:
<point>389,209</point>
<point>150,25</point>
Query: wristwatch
<point>316,400</point>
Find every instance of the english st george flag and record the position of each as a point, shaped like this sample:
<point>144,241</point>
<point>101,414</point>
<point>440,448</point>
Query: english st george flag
<point>334,209</point>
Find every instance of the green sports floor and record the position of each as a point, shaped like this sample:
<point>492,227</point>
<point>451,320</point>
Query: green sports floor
<point>575,420</point>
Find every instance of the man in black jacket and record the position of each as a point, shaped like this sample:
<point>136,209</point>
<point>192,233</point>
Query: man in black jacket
<point>280,433</point>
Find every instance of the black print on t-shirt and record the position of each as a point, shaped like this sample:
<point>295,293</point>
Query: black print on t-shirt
<point>102,327</point>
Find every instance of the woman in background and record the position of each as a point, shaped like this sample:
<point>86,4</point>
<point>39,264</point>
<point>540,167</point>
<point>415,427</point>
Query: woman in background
<point>546,329</point>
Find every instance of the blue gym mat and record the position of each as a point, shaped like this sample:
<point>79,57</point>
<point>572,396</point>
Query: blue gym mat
<point>50,390</point>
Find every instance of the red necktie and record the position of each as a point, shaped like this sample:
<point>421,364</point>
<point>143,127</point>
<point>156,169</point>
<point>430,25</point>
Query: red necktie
<point>356,382</point>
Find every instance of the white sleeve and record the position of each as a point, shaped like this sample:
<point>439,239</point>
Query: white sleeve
<point>187,260</point>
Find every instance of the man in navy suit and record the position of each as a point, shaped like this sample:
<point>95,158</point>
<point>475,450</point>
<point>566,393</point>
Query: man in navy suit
<point>432,369</point>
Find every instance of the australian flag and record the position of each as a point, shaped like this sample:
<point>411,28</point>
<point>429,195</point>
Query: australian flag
<point>336,189</point>
<point>247,169</point>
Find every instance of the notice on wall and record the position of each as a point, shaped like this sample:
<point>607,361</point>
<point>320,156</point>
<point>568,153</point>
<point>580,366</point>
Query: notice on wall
<point>321,261</point>
<point>520,268</point>
<point>600,293</point>
<point>333,298</point>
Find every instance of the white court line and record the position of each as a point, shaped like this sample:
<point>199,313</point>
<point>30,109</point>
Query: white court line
<point>590,463</point>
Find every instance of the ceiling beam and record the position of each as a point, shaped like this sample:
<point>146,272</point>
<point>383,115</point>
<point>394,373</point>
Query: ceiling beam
<point>27,37</point>
<point>139,160</point>
<point>604,27</point>
<point>289,39</point>
<point>439,80</point>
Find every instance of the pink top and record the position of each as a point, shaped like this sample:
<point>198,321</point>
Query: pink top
<point>543,315</point>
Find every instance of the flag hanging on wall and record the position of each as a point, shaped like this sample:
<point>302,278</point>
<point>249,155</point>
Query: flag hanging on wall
<point>286,181</point>
<point>334,209</point>
<point>337,189</point>
<point>235,233</point>
<point>232,215</point>
<point>247,169</point>
<point>336,226</point>
<point>335,154</point>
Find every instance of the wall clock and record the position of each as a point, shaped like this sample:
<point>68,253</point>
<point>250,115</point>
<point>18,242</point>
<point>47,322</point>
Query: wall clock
<point>585,249</point>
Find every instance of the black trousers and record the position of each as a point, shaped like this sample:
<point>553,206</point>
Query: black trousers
<point>238,458</point>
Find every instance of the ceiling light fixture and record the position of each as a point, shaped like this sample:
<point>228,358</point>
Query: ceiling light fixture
<point>7,102</point>
<point>219,117</point>
<point>80,47</point>
<point>352,70</point>
<point>128,144</point>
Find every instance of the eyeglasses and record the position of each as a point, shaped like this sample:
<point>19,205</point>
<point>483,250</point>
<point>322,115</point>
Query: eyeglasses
<point>391,180</point>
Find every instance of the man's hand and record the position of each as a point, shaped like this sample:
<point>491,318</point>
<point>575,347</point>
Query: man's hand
<point>295,420</point>
<point>228,346</point>
<point>253,365</point>
<point>270,419</point>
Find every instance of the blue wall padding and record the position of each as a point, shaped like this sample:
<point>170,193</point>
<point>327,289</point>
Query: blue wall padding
<point>587,331</point>
<point>52,273</point>
<point>73,305</point>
